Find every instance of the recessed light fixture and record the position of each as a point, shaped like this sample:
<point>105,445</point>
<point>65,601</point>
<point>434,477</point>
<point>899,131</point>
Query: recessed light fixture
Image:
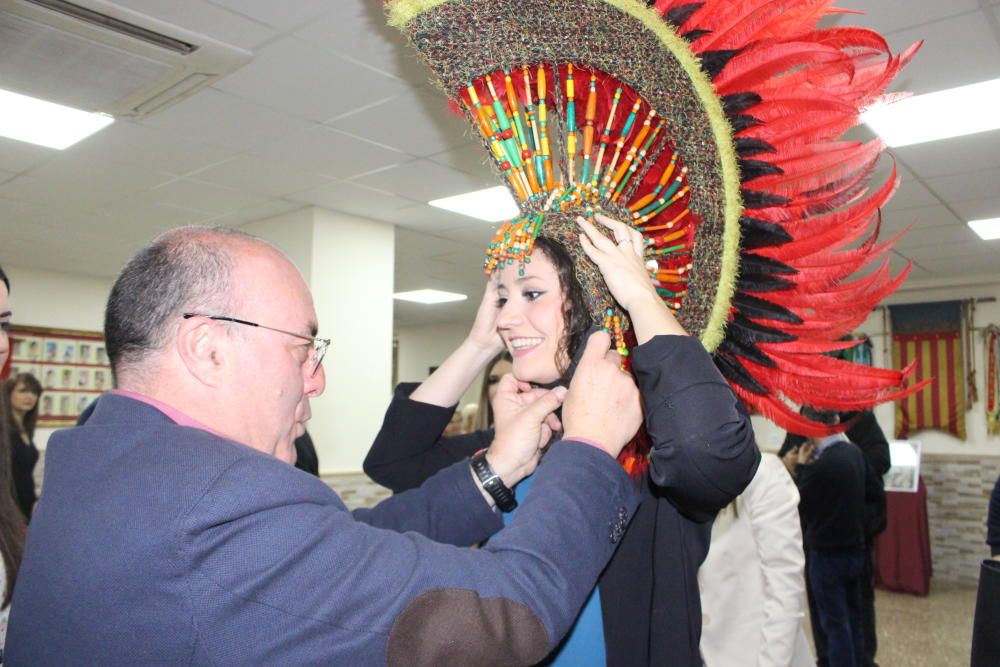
<point>988,230</point>
<point>45,123</point>
<point>947,113</point>
<point>491,204</point>
<point>429,296</point>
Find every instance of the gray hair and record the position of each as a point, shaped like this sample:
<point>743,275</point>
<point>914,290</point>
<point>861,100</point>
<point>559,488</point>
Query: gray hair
<point>187,269</point>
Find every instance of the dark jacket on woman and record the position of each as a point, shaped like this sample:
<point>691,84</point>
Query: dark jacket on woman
<point>703,456</point>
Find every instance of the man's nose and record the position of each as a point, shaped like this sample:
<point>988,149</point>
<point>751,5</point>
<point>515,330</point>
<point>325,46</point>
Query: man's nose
<point>316,383</point>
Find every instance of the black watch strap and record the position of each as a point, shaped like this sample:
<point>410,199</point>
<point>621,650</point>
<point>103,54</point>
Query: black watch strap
<point>494,486</point>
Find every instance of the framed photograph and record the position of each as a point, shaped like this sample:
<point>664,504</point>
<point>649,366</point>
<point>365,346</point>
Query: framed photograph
<point>904,475</point>
<point>71,365</point>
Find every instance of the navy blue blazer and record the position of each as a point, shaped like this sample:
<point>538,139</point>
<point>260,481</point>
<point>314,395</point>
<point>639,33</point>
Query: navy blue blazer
<point>159,544</point>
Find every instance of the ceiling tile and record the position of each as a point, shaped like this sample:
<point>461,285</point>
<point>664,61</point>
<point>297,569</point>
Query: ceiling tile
<point>86,190</point>
<point>205,19</point>
<point>978,209</point>
<point>285,75</point>
<point>952,156</point>
<point>138,219</point>
<point>18,156</point>
<point>923,218</point>
<point>280,15</point>
<point>415,122</point>
<point>268,209</point>
<point>351,198</point>
<point>424,218</point>
<point>472,158</point>
<point>939,64</point>
<point>961,187</point>
<point>958,251</point>
<point>143,147</point>
<point>221,119</point>
<point>910,195</point>
<point>202,196</point>
<point>936,236</point>
<point>254,174</point>
<point>423,180</point>
<point>327,152</point>
<point>972,266</point>
<point>357,30</point>
<point>887,18</point>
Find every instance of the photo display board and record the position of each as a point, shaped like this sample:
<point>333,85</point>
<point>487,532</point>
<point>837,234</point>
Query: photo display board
<point>71,365</point>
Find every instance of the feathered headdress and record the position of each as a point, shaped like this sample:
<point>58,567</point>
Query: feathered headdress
<point>714,128</point>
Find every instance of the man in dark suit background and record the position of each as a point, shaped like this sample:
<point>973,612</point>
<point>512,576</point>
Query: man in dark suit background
<point>863,430</point>
<point>174,531</point>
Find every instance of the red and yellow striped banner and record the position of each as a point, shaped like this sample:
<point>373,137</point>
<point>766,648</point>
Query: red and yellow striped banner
<point>941,405</point>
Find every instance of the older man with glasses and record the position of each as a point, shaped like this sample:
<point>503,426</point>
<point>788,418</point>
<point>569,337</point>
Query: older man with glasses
<point>172,531</point>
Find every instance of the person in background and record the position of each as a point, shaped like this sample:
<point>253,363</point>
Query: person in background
<point>835,483</point>
<point>863,430</point>
<point>753,581</point>
<point>11,522</point>
<point>993,522</point>
<point>22,393</point>
<point>306,458</point>
<point>499,366</point>
<point>174,529</point>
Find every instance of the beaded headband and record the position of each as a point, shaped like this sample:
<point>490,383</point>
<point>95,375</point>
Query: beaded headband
<point>712,128</point>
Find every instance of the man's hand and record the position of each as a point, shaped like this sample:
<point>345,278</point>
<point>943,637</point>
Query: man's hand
<point>525,420</point>
<point>602,405</point>
<point>807,452</point>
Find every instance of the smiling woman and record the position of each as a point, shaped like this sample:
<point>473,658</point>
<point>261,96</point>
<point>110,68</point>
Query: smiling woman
<point>540,313</point>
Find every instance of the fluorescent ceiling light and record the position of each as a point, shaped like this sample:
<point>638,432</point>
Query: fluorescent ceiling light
<point>947,113</point>
<point>46,123</point>
<point>429,296</point>
<point>491,204</point>
<point>988,230</point>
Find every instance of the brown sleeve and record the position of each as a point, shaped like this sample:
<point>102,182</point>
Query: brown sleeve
<point>458,627</point>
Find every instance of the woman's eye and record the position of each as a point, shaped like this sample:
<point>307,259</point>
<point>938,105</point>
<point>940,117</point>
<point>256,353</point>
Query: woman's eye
<point>501,301</point>
<point>5,327</point>
<point>531,295</point>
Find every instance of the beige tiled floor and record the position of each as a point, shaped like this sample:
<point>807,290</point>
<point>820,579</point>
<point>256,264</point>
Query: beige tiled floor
<point>935,631</point>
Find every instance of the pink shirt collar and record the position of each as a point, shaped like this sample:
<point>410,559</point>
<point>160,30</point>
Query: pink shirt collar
<point>173,413</point>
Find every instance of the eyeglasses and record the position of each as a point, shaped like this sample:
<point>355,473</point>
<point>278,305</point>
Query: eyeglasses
<point>316,354</point>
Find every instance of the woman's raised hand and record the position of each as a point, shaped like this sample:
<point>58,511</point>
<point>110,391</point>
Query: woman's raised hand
<point>620,260</point>
<point>484,334</point>
<point>621,263</point>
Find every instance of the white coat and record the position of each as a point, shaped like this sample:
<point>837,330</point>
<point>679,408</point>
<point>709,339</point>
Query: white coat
<point>752,581</point>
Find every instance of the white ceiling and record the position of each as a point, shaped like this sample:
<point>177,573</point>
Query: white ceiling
<point>335,111</point>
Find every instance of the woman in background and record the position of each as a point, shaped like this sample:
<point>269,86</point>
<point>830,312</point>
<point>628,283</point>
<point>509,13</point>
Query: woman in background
<point>499,366</point>
<point>752,582</point>
<point>22,394</point>
<point>11,523</point>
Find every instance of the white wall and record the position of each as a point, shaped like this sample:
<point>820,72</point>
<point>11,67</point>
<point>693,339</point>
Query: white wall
<point>58,300</point>
<point>977,441</point>
<point>421,347</point>
<point>352,284</point>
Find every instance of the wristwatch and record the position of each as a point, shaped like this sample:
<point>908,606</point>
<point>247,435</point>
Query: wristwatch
<point>494,486</point>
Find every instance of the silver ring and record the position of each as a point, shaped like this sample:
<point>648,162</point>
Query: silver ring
<point>624,241</point>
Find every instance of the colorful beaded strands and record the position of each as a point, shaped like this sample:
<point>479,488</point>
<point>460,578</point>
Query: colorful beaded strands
<point>603,150</point>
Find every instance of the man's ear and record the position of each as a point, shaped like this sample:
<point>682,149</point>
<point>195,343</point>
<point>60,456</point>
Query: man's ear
<point>202,346</point>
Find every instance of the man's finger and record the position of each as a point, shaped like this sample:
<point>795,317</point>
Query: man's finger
<point>545,404</point>
<point>597,346</point>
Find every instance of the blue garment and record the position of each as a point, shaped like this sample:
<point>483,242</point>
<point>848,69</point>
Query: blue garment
<point>584,645</point>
